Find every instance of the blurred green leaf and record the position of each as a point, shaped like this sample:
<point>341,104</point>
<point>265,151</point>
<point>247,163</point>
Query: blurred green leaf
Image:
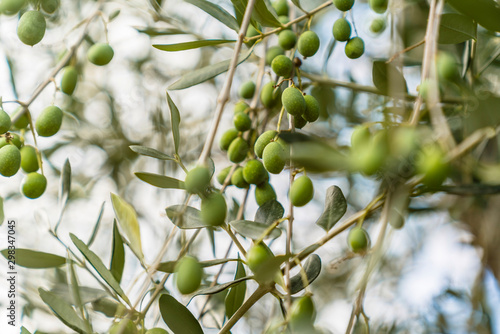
<point>265,14</point>
<point>74,287</point>
<point>160,31</point>
<point>269,212</point>
<point>160,181</point>
<point>220,287</point>
<point>63,311</point>
<point>312,269</point>
<point>297,3</point>
<point>239,9</point>
<point>236,295</point>
<point>101,269</point>
<point>109,307</point>
<point>456,28</point>
<point>177,316</point>
<point>484,12</point>
<point>96,226</point>
<point>217,12</point>
<point>169,266</point>
<point>191,45</point>
<point>335,208</point>
<point>254,230</point>
<point>87,294</point>
<point>185,217</point>
<point>118,254</point>
<point>127,219</point>
<point>316,156</point>
<point>150,152</point>
<point>2,215</point>
<point>35,260</point>
<point>24,330</point>
<point>175,119</point>
<point>65,183</point>
<point>388,79</point>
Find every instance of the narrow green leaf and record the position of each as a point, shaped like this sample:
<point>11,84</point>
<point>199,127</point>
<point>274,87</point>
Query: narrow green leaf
<point>74,287</point>
<point>208,72</point>
<point>217,12</point>
<point>388,79</point>
<point>127,219</point>
<point>169,266</point>
<point>150,152</point>
<point>211,236</point>
<point>236,295</point>
<point>96,226</point>
<point>177,316</point>
<point>269,212</point>
<point>109,307</point>
<point>24,330</point>
<point>484,12</point>
<point>117,255</point>
<point>239,9</point>
<point>160,31</point>
<point>63,311</point>
<point>297,3</point>
<point>312,268</point>
<point>35,260</point>
<point>185,217</point>
<point>220,287</point>
<point>175,119</point>
<point>65,182</point>
<point>101,269</point>
<point>335,208</point>
<point>456,28</point>
<point>254,230</point>
<point>160,181</point>
<point>2,214</point>
<point>265,14</point>
<point>191,45</point>
<point>87,294</point>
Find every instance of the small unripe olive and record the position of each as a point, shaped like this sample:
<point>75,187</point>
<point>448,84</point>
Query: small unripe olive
<point>31,27</point>
<point>281,7</point>
<point>269,96</point>
<point>156,330</point>
<point>238,150</point>
<point>287,39</point>
<point>293,101</point>
<point>261,142</point>
<point>258,255</point>
<point>5,122</point>
<point>273,52</point>
<point>370,158</point>
<point>50,6</point>
<point>49,121</point>
<point>227,138</point>
<point>301,191</point>
<point>125,326</point>
<point>379,6</point>
<point>264,193</point>
<point>299,122</point>
<point>355,48</point>
<point>69,80</point>
<point>341,30</point>
<point>241,106</point>
<point>358,239</point>
<point>377,25</point>
<point>23,121</point>
<point>188,275</point>
<point>213,209</point>
<point>302,314</point>
<point>308,43</point>
<point>254,172</point>
<point>197,180</point>
<point>11,7</point>
<point>404,140</point>
<point>360,137</point>
<point>252,32</point>
<point>431,163</point>
<point>221,177</point>
<point>274,157</point>
<point>247,90</point>
<point>446,66</point>
<point>100,54</point>
<point>33,185</point>
<point>29,160</point>
<point>343,5</point>
<point>282,66</point>
<point>242,122</point>
<point>311,113</point>
<point>238,180</point>
<point>10,160</point>
<point>15,140</point>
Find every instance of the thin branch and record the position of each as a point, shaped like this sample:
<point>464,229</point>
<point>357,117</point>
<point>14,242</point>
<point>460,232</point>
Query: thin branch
<point>411,47</point>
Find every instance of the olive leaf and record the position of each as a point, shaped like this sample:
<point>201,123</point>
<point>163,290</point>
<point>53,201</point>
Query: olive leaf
<point>160,181</point>
<point>265,14</point>
<point>65,187</point>
<point>220,287</point>
<point>87,294</point>
<point>185,217</point>
<point>150,152</point>
<point>177,316</point>
<point>217,12</point>
<point>74,287</point>
<point>312,269</point>
<point>127,219</point>
<point>109,307</point>
<point>160,31</point>
<point>269,212</point>
<point>35,260</point>
<point>2,215</point>
<point>239,9</point>
<point>169,266</point>
<point>335,208</point>
<point>388,79</point>
<point>63,311</point>
<point>236,295</point>
<point>175,119</point>
<point>456,28</point>
<point>117,254</point>
<point>191,45</point>
<point>96,226</point>
<point>484,12</point>
<point>25,331</point>
<point>254,230</point>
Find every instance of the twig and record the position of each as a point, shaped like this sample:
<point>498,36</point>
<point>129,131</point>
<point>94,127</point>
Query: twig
<point>405,50</point>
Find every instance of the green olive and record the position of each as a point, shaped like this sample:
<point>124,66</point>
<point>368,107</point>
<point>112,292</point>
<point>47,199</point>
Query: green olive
<point>358,239</point>
<point>100,54</point>
<point>258,255</point>
<point>247,90</point>
<point>355,48</point>
<point>370,158</point>
<point>15,139</point>
<point>379,6</point>
<point>287,39</point>
<point>293,101</point>
<point>308,43</point>
<point>261,142</point>
<point>282,66</point>
<point>125,326</point>
<point>274,157</point>
<point>242,122</point>
<point>432,164</point>
<point>11,7</point>
<point>269,95</point>
<point>33,185</point>
<point>227,138</point>
<point>302,315</point>
<point>188,275</point>
<point>273,52</point>
<point>254,172</point>
<point>301,191</point>
<point>238,150</point>
<point>311,113</point>
<point>238,180</point>
<point>343,5</point>
<point>252,32</point>
<point>156,330</point>
<point>377,25</point>
<point>299,122</point>
<point>50,6</point>
<point>10,160</point>
<point>241,106</point>
<point>197,180</point>
<point>31,27</point>
<point>69,80</point>
<point>447,67</point>
<point>5,122</point>
<point>281,7</point>
<point>221,177</point>
<point>341,30</point>
<point>23,121</point>
<point>29,160</point>
<point>49,121</point>
<point>264,192</point>
<point>213,209</point>
<point>360,137</point>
